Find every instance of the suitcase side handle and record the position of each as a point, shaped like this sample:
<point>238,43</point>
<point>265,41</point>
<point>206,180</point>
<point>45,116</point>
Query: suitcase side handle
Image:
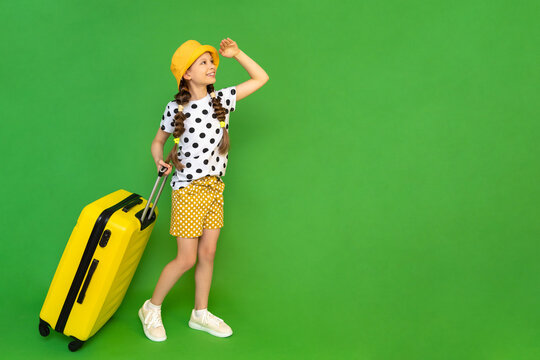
<point>91,271</point>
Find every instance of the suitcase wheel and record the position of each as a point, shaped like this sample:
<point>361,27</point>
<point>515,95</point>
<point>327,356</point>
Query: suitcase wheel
<point>44,328</point>
<point>75,345</point>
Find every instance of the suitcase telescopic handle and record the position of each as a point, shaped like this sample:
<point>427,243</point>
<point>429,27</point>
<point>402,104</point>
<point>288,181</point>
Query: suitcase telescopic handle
<point>160,175</point>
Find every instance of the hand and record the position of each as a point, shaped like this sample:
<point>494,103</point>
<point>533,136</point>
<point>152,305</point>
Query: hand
<point>162,163</point>
<point>228,48</point>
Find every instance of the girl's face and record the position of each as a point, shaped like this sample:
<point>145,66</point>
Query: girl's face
<point>202,71</point>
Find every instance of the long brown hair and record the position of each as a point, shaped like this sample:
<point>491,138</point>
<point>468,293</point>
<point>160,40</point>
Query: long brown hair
<point>182,98</point>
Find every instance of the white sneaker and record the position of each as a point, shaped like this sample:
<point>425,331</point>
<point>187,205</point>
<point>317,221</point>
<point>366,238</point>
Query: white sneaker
<point>151,322</point>
<point>210,323</point>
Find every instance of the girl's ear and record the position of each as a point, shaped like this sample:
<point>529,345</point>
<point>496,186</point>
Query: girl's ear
<point>187,75</point>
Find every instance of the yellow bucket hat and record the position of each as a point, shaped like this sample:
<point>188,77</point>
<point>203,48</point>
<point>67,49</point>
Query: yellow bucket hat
<point>186,54</point>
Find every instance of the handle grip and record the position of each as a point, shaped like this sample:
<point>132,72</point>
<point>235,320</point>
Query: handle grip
<point>162,171</point>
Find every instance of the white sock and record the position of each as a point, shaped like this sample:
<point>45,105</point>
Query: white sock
<point>199,313</point>
<point>152,306</point>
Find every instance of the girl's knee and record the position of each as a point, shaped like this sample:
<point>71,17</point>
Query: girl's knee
<point>187,253</point>
<point>185,262</point>
<point>207,254</point>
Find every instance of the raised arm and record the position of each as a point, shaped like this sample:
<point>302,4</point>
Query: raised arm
<point>259,77</point>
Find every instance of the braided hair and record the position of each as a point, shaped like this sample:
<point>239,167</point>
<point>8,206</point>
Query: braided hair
<point>182,98</point>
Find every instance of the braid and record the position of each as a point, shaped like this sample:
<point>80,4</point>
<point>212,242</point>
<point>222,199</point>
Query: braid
<point>219,113</point>
<point>181,98</point>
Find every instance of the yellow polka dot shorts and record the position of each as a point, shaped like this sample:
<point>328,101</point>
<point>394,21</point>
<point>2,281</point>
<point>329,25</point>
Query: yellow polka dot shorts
<point>196,207</point>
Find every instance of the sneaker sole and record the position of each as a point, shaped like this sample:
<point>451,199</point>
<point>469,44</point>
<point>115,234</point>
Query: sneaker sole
<point>145,331</point>
<point>196,326</point>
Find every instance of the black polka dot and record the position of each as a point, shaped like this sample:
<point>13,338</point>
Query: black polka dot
<point>188,165</point>
<point>195,145</point>
<point>162,117</point>
<point>176,111</point>
<point>202,135</point>
<point>191,130</point>
<point>193,106</point>
<point>210,103</point>
<point>227,156</point>
<point>186,139</point>
<point>214,115</point>
<point>213,168</point>
<point>232,109</point>
<point>189,176</point>
<point>182,170</point>
<point>227,110</point>
<point>227,126</point>
<point>196,157</point>
<point>205,162</point>
<point>221,173</point>
<point>217,158</point>
<point>188,115</point>
<point>199,171</point>
<point>224,165</point>
<point>217,131</point>
<point>173,183</point>
<point>168,113</point>
<point>205,112</point>
<point>212,153</point>
<point>233,91</point>
<point>188,153</point>
<point>228,102</point>
<point>212,141</point>
<point>220,93</point>
<point>172,123</point>
<point>205,150</point>
<point>198,120</point>
<point>162,127</point>
<point>208,126</point>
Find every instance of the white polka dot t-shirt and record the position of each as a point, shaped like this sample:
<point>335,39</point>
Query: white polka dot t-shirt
<point>198,147</point>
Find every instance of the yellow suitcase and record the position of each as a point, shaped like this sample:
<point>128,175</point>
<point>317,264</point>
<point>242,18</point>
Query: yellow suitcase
<point>98,264</point>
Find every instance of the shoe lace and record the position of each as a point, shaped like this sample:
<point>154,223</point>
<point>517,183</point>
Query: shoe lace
<point>153,319</point>
<point>209,316</point>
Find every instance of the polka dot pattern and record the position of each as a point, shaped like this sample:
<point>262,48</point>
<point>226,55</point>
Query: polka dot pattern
<point>196,207</point>
<point>198,146</point>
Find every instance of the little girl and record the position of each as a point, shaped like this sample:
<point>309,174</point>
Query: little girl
<point>198,118</point>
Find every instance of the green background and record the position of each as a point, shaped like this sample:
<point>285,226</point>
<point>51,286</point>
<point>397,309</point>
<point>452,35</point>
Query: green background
<point>381,197</point>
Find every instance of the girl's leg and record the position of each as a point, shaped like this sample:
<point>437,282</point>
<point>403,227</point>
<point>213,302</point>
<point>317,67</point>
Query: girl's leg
<point>205,266</point>
<point>185,259</point>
